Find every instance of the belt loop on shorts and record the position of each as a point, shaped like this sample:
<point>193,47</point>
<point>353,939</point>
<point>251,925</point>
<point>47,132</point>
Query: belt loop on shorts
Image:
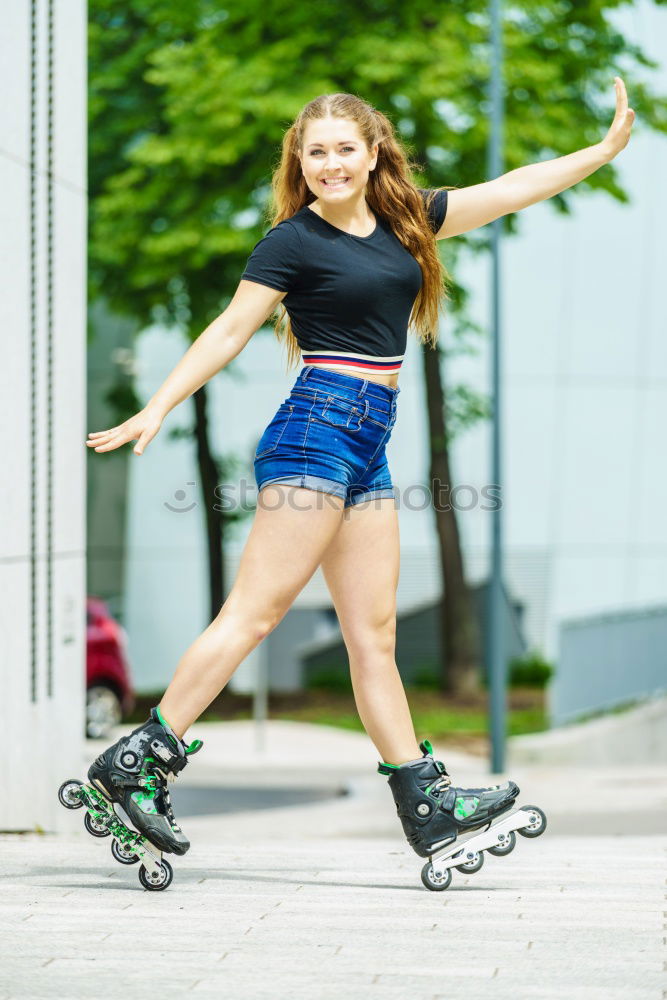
<point>306,372</point>
<point>363,387</point>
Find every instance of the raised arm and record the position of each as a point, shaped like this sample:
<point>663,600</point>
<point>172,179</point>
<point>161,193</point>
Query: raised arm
<point>214,348</point>
<point>471,207</point>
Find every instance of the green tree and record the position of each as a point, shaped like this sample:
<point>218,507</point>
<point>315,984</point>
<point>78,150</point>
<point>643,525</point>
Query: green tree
<point>188,107</point>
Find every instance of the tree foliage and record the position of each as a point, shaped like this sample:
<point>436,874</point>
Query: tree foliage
<point>189,103</point>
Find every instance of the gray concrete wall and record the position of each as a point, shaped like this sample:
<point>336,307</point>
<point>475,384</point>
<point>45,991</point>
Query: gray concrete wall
<point>608,660</point>
<point>42,386</point>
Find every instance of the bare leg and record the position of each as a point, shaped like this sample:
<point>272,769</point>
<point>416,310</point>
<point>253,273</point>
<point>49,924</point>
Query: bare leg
<point>360,567</point>
<point>291,529</point>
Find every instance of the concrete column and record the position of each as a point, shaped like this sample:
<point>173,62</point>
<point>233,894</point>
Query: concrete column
<point>42,387</point>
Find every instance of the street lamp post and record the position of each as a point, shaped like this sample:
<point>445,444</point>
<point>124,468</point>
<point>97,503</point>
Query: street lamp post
<point>495,653</point>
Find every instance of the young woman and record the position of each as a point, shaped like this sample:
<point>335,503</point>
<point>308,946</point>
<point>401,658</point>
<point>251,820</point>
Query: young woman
<point>351,260</point>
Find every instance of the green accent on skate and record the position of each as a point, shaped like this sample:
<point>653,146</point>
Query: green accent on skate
<point>425,745</point>
<point>125,836</point>
<point>94,801</point>
<point>465,807</point>
<point>145,803</point>
<point>162,718</point>
<point>387,768</point>
<point>194,746</point>
<point>121,833</point>
<point>98,807</point>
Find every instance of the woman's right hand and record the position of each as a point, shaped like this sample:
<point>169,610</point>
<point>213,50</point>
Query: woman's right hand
<point>141,428</point>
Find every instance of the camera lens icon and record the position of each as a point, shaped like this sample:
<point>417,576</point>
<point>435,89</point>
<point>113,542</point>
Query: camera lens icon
<point>180,496</point>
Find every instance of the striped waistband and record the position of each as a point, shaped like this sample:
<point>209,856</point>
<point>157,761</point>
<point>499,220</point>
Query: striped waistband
<point>353,362</point>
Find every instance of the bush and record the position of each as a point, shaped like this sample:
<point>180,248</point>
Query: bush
<point>531,670</point>
<point>425,677</point>
<point>332,677</point>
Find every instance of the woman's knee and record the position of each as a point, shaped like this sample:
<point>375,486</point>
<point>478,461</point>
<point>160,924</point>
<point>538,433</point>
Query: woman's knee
<point>372,644</point>
<point>249,624</point>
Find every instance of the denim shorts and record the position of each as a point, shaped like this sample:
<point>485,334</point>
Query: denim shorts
<point>330,435</point>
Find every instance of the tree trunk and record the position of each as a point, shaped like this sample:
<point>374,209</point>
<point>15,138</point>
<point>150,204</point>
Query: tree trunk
<point>459,631</point>
<point>208,472</point>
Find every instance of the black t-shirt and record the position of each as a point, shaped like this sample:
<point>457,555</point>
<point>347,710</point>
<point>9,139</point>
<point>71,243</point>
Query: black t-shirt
<point>349,298</point>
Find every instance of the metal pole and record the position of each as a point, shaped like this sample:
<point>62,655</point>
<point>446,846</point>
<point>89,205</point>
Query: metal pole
<point>260,702</point>
<point>496,658</point>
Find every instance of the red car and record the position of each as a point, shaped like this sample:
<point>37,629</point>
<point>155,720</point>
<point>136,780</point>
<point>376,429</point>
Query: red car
<point>109,692</point>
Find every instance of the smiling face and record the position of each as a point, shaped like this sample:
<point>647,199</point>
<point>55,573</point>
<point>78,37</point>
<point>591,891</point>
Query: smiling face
<point>335,160</point>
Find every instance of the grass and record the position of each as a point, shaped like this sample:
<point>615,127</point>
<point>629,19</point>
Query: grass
<point>438,717</point>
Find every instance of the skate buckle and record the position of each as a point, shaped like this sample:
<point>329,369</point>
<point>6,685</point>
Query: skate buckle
<point>161,751</point>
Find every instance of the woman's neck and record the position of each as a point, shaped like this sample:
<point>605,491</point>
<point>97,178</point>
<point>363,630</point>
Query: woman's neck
<point>357,219</point>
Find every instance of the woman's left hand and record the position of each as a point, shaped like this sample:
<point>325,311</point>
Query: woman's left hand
<point>618,135</point>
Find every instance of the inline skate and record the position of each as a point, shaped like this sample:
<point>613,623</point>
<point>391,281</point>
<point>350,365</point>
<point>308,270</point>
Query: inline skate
<point>133,774</point>
<point>434,813</point>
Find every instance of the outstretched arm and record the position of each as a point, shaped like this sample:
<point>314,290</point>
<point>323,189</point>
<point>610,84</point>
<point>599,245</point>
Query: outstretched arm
<point>471,207</point>
<point>213,349</point>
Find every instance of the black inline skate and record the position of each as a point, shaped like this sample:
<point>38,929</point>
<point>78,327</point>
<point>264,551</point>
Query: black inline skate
<point>134,771</point>
<point>434,813</point>
<point>133,774</point>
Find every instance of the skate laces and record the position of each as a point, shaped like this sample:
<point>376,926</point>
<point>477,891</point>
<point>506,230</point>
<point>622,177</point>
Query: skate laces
<point>442,782</point>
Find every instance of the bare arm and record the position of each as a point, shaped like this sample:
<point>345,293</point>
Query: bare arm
<point>471,207</point>
<point>220,343</point>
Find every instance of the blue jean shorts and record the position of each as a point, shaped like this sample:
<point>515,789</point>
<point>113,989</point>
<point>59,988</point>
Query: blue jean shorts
<point>330,435</point>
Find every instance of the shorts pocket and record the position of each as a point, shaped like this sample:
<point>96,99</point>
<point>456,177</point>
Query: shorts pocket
<point>339,412</point>
<point>308,394</point>
<point>273,434</point>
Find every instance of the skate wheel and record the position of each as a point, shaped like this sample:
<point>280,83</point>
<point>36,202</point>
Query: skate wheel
<point>433,883</point>
<point>155,883</point>
<point>95,828</point>
<point>538,822</point>
<point>472,866</point>
<point>123,854</point>
<point>68,794</point>
<point>507,846</point>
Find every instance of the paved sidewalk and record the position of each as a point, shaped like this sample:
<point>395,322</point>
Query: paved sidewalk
<point>317,901</point>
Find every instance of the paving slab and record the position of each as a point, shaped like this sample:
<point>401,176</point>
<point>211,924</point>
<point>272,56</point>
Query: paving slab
<point>325,899</point>
<point>320,918</point>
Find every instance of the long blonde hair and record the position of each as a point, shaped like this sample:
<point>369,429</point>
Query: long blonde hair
<point>390,192</point>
